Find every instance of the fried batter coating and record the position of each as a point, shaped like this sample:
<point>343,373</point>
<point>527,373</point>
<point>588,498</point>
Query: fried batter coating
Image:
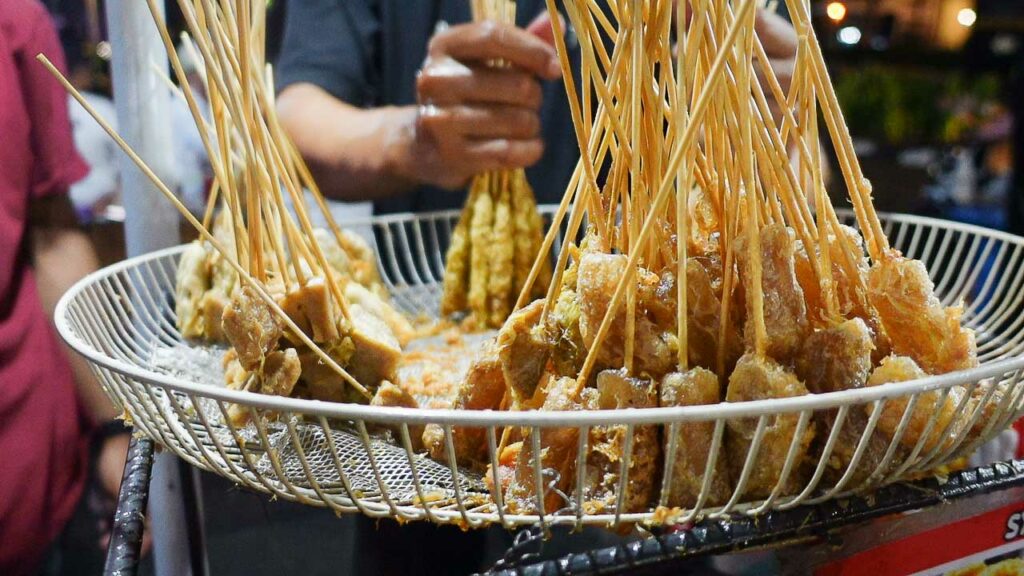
<point>929,405</point>
<point>313,310</point>
<point>374,304</point>
<point>251,327</point>
<point>916,322</point>
<point>506,467</point>
<point>761,379</point>
<point>836,358</point>
<point>280,372</point>
<point>376,350</point>
<point>500,267</point>
<point>695,387</point>
<point>523,349</point>
<point>654,350</point>
<point>192,282</point>
<point>389,394</point>
<point>607,444</point>
<point>785,313</point>
<point>567,350</point>
<point>456,266</point>
<point>557,456</point>
<point>704,318</point>
<point>322,382</point>
<point>483,389</point>
<point>480,227</point>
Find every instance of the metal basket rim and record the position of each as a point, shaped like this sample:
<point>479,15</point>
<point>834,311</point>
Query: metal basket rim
<point>580,418</point>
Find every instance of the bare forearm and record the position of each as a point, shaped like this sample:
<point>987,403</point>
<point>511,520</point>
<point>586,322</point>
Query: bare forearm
<point>62,255</point>
<point>352,152</point>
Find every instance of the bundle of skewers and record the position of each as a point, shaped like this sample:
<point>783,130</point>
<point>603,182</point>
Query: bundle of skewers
<point>711,269</point>
<point>498,234</point>
<point>706,276</point>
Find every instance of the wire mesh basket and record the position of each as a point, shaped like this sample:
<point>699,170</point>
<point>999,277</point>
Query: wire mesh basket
<point>355,458</point>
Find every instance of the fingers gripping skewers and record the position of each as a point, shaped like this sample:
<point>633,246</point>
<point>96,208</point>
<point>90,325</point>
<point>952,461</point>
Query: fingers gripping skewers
<point>498,234</point>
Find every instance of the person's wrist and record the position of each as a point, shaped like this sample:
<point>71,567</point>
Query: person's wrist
<point>399,141</point>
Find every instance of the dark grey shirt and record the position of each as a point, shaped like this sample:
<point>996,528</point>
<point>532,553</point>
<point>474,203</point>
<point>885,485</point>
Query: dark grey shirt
<point>367,53</point>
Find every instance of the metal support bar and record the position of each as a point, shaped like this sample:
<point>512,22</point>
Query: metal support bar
<point>662,554</point>
<point>130,518</point>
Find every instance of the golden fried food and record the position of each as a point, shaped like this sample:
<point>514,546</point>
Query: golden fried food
<point>312,309</point>
<point>399,325</point>
<point>695,387</point>
<point>557,456</point>
<point>506,467</point>
<point>376,350</point>
<point>567,348</point>
<point>916,322</point>
<point>836,358</point>
<point>500,261</point>
<point>524,350</point>
<point>480,228</point>
<point>704,317</point>
<point>482,389</point>
<point>930,405</point>
<point>761,379</point>
<point>320,380</point>
<point>433,371</point>
<point>602,477</point>
<point>785,312</point>
<point>390,395</point>
<point>456,267</point>
<point>654,350</point>
<point>251,327</point>
<point>192,282</point>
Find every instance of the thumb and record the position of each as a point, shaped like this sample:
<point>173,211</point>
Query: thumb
<point>541,27</point>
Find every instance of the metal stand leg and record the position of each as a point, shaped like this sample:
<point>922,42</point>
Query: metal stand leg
<point>129,520</point>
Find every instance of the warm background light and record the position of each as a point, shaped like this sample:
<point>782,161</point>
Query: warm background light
<point>836,11</point>
<point>966,17</point>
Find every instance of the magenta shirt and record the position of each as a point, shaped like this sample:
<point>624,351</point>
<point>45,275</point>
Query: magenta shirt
<point>43,429</point>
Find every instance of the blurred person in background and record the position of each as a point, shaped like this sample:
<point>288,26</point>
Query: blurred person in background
<point>102,186</point>
<point>52,410</point>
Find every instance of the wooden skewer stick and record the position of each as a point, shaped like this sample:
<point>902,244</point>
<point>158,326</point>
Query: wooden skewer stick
<point>252,283</point>
<point>715,78</point>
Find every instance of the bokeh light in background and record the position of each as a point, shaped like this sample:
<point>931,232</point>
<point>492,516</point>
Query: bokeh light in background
<point>967,17</point>
<point>836,11</point>
<point>850,35</point>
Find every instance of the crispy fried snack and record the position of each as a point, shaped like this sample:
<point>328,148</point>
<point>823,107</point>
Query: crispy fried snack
<point>695,387</point>
<point>502,248</point>
<point>785,313</point>
<point>760,379</point>
<point>602,480</point>
<point>251,327</point>
<point>834,359</point>
<point>480,227</point>
<point>523,349</point>
<point>483,389</point>
<point>557,456</point>
<point>456,268</point>
<point>919,326</point>
<point>929,405</point>
<point>655,344</point>
<point>389,394</point>
<point>192,282</point>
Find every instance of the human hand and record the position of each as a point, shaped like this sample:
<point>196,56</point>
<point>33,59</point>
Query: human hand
<point>472,116</point>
